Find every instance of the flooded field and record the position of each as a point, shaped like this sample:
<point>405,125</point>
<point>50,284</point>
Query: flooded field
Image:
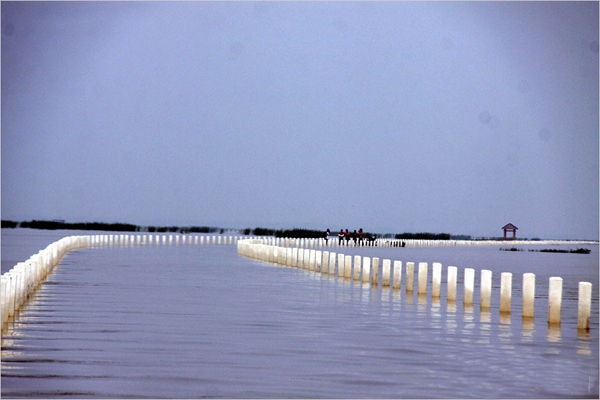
<point>201,321</point>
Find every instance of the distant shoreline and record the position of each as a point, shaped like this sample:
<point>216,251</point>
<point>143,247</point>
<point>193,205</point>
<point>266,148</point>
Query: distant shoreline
<point>576,251</point>
<point>257,231</point>
<point>103,226</point>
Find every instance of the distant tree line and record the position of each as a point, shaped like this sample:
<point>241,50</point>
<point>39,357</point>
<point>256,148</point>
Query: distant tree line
<point>308,233</point>
<point>423,236</point>
<point>9,224</point>
<point>287,233</point>
<point>190,229</point>
<point>461,237</point>
<point>103,226</point>
<point>87,226</point>
<point>296,233</point>
<point>577,251</point>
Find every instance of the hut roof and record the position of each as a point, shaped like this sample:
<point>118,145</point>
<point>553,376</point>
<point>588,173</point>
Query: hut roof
<point>509,226</point>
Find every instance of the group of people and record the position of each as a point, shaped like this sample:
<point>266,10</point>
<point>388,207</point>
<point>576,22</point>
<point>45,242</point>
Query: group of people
<point>357,237</point>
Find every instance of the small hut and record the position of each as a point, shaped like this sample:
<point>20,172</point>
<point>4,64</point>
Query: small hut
<point>510,228</point>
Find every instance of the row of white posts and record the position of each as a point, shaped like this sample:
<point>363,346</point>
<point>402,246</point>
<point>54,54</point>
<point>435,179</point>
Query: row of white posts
<point>22,280</point>
<point>18,283</point>
<point>325,263</point>
<point>333,242</point>
<point>142,240</point>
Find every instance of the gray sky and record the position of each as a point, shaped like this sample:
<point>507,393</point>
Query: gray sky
<point>454,117</point>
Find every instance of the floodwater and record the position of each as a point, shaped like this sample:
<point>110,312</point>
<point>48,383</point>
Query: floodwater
<point>193,321</point>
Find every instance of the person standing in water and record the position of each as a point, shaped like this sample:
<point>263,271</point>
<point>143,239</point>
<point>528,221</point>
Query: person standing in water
<point>341,237</point>
<point>327,234</point>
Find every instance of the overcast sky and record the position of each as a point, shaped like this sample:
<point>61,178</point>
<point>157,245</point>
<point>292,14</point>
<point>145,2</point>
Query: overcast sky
<point>454,117</point>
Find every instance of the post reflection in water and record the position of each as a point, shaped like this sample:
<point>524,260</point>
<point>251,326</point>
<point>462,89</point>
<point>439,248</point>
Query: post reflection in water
<point>397,297</point>
<point>506,332</point>
<point>10,350</point>
<point>527,329</point>
<point>485,317</point>
<point>422,302</point>
<point>485,327</point>
<point>583,344</point>
<point>451,306</point>
<point>436,313</point>
<point>385,301</point>
<point>469,325</point>
<point>451,324</point>
<point>554,336</point>
<point>554,333</point>
<point>583,334</point>
<point>410,297</point>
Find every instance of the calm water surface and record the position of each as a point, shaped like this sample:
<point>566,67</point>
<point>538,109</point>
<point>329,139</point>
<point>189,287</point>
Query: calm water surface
<point>201,321</point>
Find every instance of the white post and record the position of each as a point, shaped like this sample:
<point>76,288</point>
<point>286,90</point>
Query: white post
<point>422,278</point>
<point>554,300</point>
<point>341,266</point>
<point>312,256</point>
<point>300,258</point>
<point>410,276</point>
<point>295,257</point>
<point>505,292</point>
<point>280,254</point>
<point>332,263</point>
<point>22,283</point>
<point>271,253</point>
<point>275,253</point>
<point>375,279</point>
<point>325,266</point>
<point>452,275</point>
<point>584,305</point>
<point>356,273</point>
<point>486,290</point>
<point>528,295</point>
<point>12,293</point>
<point>4,298</point>
<point>366,269</point>
<point>436,280</point>
<point>385,272</point>
<point>469,286</point>
<point>318,260</point>
<point>348,267</point>
<point>397,274</point>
